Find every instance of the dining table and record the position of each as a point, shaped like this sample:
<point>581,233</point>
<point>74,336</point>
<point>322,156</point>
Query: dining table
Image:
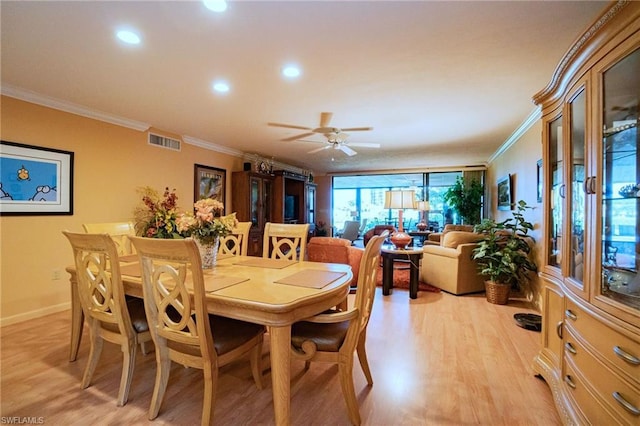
<point>275,293</point>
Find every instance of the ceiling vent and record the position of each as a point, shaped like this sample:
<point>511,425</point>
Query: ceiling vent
<point>164,142</point>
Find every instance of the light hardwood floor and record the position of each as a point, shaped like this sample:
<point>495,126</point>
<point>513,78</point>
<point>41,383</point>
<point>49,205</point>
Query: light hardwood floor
<point>436,360</point>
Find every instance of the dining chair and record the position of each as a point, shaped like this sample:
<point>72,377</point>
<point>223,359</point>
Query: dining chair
<point>237,242</point>
<point>109,315</point>
<point>118,231</point>
<point>285,241</point>
<point>333,335</point>
<point>182,329</point>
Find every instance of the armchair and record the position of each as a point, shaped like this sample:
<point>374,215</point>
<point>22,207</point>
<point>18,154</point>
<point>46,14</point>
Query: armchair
<point>377,230</point>
<point>436,237</point>
<point>450,266</point>
<point>335,250</point>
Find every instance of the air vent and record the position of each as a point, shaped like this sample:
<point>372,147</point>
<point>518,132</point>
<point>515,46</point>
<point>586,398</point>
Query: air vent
<point>164,142</point>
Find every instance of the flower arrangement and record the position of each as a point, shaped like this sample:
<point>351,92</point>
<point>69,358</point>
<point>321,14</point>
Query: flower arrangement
<point>204,224</point>
<point>157,216</point>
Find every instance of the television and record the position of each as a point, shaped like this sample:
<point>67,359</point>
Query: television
<point>290,207</point>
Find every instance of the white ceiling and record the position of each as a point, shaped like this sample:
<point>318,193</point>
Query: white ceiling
<point>441,83</point>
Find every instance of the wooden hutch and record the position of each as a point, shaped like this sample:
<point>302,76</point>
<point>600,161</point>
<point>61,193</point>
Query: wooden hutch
<point>590,354</point>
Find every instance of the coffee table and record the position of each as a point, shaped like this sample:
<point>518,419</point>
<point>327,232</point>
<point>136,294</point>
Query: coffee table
<point>411,255</point>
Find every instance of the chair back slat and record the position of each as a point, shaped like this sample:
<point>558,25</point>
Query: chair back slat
<point>237,242</point>
<point>285,241</point>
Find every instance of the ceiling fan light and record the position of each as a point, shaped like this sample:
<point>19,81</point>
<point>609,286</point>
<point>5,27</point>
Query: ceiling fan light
<point>291,71</point>
<point>215,5</point>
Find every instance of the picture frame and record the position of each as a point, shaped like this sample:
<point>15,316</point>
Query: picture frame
<point>540,179</point>
<point>504,193</point>
<point>209,182</point>
<point>35,180</point>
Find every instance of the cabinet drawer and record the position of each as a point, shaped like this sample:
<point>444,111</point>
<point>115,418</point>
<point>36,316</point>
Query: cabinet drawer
<point>620,351</point>
<point>603,381</point>
<point>583,400</point>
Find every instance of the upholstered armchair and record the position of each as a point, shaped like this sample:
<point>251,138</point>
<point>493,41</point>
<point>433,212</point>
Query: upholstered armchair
<point>335,250</point>
<point>377,230</point>
<point>450,266</point>
<point>436,237</point>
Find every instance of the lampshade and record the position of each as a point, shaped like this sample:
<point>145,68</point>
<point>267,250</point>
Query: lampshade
<point>423,206</point>
<point>400,200</point>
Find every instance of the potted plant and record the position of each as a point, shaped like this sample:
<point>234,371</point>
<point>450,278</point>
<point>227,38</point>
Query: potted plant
<point>503,256</point>
<point>466,198</point>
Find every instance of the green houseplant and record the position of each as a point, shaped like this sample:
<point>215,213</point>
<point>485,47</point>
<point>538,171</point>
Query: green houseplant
<point>466,198</point>
<point>503,256</point>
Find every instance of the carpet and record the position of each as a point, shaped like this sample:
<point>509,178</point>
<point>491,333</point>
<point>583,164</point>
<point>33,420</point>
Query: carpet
<point>401,280</point>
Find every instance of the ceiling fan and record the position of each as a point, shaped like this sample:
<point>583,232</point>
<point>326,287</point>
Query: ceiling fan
<point>336,138</point>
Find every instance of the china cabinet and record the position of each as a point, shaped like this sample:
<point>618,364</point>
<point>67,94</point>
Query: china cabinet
<point>590,352</point>
<point>252,199</point>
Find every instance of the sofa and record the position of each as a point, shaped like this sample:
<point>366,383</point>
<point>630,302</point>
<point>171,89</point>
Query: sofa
<point>335,250</point>
<point>448,264</point>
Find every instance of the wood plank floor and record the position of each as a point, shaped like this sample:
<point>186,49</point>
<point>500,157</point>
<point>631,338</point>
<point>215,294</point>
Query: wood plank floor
<point>436,360</point>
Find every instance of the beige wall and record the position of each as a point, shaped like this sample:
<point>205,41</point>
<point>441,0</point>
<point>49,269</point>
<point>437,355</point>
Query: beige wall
<point>520,160</point>
<point>110,163</point>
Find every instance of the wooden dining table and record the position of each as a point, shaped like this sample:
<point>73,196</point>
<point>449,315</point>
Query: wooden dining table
<point>263,291</point>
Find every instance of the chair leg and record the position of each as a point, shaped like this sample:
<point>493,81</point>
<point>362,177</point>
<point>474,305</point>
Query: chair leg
<point>210,386</point>
<point>163,367</point>
<point>144,348</point>
<point>345,368</point>
<point>128,364</point>
<point>362,357</point>
<point>94,352</point>
<point>255,358</point>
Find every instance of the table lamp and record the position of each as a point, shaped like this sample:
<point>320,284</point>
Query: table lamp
<point>423,206</point>
<point>400,200</point>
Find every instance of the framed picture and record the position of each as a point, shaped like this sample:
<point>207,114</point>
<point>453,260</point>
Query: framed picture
<point>210,182</point>
<point>504,193</point>
<point>35,180</point>
<point>539,174</point>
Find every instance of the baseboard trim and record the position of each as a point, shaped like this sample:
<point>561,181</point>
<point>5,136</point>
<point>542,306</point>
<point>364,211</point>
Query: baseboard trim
<point>34,314</point>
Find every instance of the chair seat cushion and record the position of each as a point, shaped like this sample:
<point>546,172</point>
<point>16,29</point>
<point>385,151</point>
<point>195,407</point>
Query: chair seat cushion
<point>327,337</point>
<point>229,333</point>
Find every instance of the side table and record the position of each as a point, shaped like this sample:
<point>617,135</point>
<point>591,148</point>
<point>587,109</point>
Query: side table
<point>389,255</point>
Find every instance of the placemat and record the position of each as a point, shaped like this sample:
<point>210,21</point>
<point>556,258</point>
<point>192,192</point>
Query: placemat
<point>261,262</point>
<point>132,270</point>
<point>128,258</point>
<point>218,282</point>
<point>312,278</point>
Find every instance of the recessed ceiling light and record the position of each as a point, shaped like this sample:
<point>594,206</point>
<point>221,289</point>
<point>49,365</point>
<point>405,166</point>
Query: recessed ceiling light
<point>128,36</point>
<point>221,86</point>
<point>215,5</point>
<point>291,71</point>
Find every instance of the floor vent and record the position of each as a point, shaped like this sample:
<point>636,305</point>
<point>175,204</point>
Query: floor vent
<point>164,142</point>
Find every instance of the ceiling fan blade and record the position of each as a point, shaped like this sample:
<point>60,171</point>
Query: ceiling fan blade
<point>307,140</point>
<point>289,126</point>
<point>356,129</point>
<point>365,144</point>
<point>325,118</point>
<point>313,151</point>
<point>296,137</point>
<point>347,150</point>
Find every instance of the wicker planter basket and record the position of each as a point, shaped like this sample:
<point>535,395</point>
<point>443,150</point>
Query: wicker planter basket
<point>497,293</point>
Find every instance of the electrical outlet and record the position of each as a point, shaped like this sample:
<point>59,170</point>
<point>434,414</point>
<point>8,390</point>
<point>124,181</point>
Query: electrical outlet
<point>56,274</point>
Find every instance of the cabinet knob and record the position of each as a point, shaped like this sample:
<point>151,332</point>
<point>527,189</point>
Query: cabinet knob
<point>569,314</point>
<point>626,356</point>
<point>559,329</point>
<point>569,381</point>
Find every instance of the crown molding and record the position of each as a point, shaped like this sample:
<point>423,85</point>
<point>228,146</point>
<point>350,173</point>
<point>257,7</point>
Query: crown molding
<point>47,101</point>
<point>533,117</point>
<point>211,146</point>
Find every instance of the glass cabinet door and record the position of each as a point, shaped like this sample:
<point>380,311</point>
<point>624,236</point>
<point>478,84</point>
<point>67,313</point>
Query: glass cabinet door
<point>267,185</point>
<point>556,192</point>
<point>254,201</point>
<point>620,209</point>
<point>576,189</point>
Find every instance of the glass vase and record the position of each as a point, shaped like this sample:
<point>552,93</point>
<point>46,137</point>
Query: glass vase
<point>209,253</point>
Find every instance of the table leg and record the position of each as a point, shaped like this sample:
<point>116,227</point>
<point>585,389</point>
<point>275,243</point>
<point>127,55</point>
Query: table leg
<point>281,373</point>
<point>387,275</point>
<point>414,277</point>
<point>77,321</point>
